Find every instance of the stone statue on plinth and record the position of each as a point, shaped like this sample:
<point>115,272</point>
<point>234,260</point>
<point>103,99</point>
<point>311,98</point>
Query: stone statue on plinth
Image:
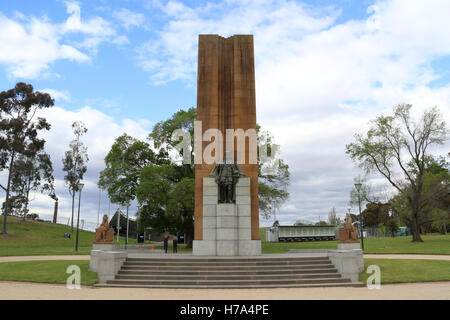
<point>104,234</point>
<point>226,176</point>
<point>348,233</point>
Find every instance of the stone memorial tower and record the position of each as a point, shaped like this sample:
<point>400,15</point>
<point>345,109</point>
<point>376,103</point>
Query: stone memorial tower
<point>226,215</point>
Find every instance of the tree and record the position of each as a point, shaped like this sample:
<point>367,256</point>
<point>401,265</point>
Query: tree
<point>436,186</point>
<point>272,188</point>
<point>376,214</point>
<point>19,130</point>
<point>333,219</point>
<point>31,173</point>
<point>392,226</point>
<point>397,143</point>
<point>74,162</point>
<point>124,162</point>
<point>441,219</point>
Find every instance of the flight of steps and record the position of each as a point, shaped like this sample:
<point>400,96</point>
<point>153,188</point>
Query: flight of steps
<point>229,273</point>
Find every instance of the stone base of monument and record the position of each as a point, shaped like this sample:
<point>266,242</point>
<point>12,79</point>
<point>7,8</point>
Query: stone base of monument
<point>226,226</point>
<point>109,264</point>
<point>349,263</point>
<point>97,248</point>
<point>349,245</point>
<point>103,246</point>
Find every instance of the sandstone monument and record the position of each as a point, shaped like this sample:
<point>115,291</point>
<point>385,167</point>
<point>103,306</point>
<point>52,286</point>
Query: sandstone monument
<point>104,234</point>
<point>348,235</point>
<point>226,100</point>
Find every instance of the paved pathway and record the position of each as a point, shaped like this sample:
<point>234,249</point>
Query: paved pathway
<point>36,258</point>
<point>87,257</point>
<point>408,256</point>
<point>410,291</point>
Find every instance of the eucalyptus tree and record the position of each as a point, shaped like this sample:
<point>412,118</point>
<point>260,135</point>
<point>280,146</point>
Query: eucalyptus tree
<point>19,129</point>
<point>32,174</point>
<point>397,148</point>
<point>74,162</point>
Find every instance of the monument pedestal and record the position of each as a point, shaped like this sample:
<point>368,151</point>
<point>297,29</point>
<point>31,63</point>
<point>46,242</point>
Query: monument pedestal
<point>349,245</point>
<point>226,226</point>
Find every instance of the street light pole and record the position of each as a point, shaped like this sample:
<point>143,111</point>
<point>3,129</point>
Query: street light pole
<point>358,188</point>
<point>80,187</point>
<point>128,224</point>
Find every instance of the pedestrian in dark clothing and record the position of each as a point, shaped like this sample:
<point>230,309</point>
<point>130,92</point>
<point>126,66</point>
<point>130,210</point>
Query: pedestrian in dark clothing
<point>166,243</point>
<point>175,245</point>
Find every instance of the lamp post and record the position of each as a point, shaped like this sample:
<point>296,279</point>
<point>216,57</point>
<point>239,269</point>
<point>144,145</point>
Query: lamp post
<point>358,188</point>
<point>80,187</point>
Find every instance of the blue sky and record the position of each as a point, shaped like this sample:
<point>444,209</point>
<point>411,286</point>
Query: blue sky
<point>323,70</point>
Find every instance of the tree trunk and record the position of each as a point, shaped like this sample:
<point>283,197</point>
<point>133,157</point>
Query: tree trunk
<point>189,240</point>
<point>26,204</point>
<point>415,229</point>
<point>5,214</point>
<point>73,206</point>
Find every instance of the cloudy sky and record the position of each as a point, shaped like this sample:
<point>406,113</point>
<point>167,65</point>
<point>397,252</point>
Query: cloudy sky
<point>323,70</point>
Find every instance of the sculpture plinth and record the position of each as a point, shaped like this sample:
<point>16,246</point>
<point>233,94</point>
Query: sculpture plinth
<point>226,226</point>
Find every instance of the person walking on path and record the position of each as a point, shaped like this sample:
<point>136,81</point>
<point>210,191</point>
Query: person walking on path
<point>166,243</point>
<point>175,245</point>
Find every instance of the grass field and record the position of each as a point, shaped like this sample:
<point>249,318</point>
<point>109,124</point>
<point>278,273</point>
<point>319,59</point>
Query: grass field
<point>43,238</point>
<point>45,271</point>
<point>401,271</point>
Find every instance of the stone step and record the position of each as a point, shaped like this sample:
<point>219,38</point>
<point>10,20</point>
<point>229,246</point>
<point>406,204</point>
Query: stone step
<point>228,277</point>
<point>234,259</point>
<point>182,283</point>
<point>225,268</point>
<point>235,286</point>
<point>227,272</point>
<point>230,263</point>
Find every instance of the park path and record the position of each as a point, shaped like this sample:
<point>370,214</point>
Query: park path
<point>407,291</point>
<point>87,257</point>
<point>408,256</point>
<point>40,258</point>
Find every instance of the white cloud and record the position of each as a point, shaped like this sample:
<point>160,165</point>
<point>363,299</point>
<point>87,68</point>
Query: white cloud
<point>129,19</point>
<point>29,45</point>
<point>57,94</point>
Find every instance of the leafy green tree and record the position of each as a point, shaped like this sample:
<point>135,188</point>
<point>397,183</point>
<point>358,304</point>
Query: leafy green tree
<point>376,214</point>
<point>124,163</point>
<point>397,142</point>
<point>392,226</point>
<point>74,162</point>
<point>32,174</point>
<point>19,130</point>
<point>436,186</point>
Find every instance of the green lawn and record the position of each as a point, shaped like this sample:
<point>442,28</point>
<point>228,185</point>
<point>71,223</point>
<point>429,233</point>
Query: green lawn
<point>44,238</point>
<point>45,271</point>
<point>401,271</point>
